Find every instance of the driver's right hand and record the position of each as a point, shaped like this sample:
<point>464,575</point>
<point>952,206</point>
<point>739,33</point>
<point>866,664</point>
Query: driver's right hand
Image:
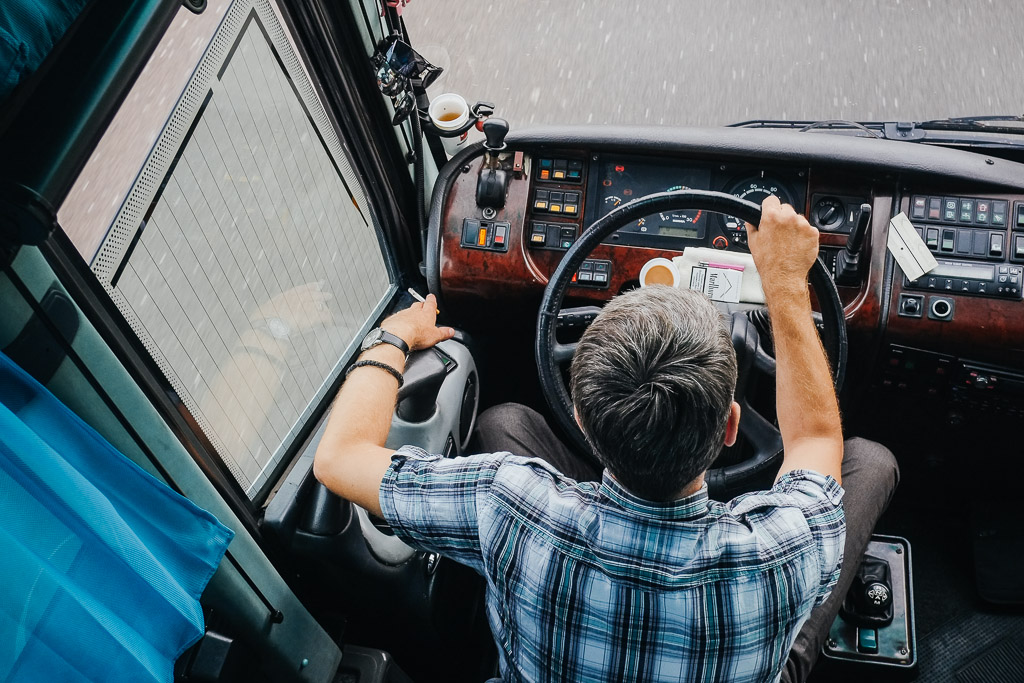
<point>784,247</point>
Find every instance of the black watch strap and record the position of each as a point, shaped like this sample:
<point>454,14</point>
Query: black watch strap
<point>396,341</point>
<point>378,336</point>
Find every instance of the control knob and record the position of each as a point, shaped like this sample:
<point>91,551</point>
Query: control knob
<point>911,305</point>
<point>829,213</point>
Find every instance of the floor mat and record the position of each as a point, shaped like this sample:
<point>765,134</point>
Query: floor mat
<point>1004,661</point>
<point>980,647</point>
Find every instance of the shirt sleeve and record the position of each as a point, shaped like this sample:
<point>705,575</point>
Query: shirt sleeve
<point>820,498</point>
<point>433,503</point>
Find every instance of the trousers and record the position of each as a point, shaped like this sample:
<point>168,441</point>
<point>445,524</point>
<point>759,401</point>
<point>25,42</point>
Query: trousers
<point>870,475</point>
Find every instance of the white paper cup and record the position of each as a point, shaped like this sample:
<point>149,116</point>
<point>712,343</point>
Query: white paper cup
<point>659,271</point>
<point>450,112</point>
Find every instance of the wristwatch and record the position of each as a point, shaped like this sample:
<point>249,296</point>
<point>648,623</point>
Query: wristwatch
<point>377,336</point>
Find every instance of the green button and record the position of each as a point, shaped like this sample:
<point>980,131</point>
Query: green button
<point>867,640</point>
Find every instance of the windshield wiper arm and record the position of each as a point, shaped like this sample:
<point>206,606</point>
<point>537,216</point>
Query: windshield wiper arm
<point>985,123</point>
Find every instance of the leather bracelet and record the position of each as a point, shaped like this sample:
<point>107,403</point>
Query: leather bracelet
<point>377,364</point>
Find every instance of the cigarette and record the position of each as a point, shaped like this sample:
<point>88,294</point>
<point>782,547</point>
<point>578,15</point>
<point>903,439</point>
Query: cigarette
<point>419,297</point>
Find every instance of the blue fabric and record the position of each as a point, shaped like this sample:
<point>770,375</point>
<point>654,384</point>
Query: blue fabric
<point>586,581</point>
<point>102,564</point>
<point>28,31</point>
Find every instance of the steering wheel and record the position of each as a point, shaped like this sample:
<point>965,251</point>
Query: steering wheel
<point>760,433</point>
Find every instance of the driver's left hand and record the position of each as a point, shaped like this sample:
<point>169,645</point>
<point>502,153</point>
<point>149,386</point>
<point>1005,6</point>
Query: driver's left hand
<point>417,325</point>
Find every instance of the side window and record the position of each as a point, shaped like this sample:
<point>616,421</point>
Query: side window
<point>243,255</point>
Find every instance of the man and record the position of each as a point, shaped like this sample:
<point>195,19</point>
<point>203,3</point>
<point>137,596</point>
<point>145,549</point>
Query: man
<point>638,576</point>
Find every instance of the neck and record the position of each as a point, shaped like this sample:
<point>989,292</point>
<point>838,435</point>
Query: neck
<point>692,487</point>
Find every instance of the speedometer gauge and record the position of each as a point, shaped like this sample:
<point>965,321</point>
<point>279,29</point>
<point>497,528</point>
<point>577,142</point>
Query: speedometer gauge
<point>755,189</point>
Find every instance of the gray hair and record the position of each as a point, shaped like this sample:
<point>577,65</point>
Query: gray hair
<point>652,383</point>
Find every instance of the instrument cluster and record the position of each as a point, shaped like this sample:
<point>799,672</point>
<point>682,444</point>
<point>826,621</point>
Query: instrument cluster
<point>616,180</point>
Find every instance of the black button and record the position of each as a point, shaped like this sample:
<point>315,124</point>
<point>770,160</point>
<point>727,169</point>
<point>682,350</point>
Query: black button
<point>995,244</point>
<point>919,206</point>
<point>998,213</point>
<point>1018,246</point>
<point>561,163</point>
<point>950,209</point>
<point>948,236</point>
<point>963,241</point>
<point>966,210</point>
<point>542,194</point>
<point>470,230</point>
<point>552,236</point>
<point>587,265</point>
<point>933,238</point>
<point>1019,225</point>
<point>556,197</point>
<point>601,266</point>
<point>572,197</point>
<point>575,165</point>
<point>934,208</point>
<point>980,243</point>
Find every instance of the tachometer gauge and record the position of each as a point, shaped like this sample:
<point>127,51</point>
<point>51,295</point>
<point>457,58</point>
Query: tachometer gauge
<point>755,189</point>
<point>678,219</point>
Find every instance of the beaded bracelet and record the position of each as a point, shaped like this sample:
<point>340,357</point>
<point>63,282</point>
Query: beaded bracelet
<point>377,364</point>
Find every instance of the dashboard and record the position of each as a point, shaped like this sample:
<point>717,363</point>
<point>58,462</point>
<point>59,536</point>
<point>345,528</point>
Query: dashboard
<point>954,333</point>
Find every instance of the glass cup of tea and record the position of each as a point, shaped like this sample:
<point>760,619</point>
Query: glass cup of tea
<point>450,112</point>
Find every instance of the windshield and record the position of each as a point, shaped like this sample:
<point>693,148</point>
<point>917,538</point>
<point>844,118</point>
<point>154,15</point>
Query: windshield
<point>715,63</point>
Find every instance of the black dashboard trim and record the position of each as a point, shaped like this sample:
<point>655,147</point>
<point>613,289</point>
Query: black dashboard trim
<point>783,146</point>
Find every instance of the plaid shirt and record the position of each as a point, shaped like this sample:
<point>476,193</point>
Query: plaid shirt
<point>586,581</point>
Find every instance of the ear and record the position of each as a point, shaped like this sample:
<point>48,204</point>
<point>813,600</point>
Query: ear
<point>732,427</point>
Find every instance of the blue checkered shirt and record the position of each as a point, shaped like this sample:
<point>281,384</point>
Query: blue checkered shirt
<point>587,582</point>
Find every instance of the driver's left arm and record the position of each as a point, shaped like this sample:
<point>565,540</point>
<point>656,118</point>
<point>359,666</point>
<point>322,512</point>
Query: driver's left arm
<point>351,459</point>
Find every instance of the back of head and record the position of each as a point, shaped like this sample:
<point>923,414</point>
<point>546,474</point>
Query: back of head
<point>652,383</point>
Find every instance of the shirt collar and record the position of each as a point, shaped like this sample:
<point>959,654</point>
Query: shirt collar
<point>691,507</point>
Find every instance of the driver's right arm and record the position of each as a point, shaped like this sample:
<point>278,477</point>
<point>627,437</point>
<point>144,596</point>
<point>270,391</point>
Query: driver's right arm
<point>784,247</point>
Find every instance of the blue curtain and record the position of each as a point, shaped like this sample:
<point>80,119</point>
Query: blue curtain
<point>101,565</point>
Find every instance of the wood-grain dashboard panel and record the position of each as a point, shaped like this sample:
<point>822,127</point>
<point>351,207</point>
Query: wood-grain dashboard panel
<point>474,279</point>
<point>981,328</point>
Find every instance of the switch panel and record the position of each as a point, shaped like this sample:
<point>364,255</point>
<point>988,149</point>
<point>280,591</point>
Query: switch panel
<point>560,170</point>
<point>593,273</point>
<point>559,236</point>
<point>486,235</point>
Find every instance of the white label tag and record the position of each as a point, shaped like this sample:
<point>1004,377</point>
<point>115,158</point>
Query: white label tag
<point>719,284</point>
<point>908,248</point>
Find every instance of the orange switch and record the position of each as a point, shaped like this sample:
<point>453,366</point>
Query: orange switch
<point>570,208</point>
<point>558,175</point>
<point>481,239</point>
<point>545,174</point>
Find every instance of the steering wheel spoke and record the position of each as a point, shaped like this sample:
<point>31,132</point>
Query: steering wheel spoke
<point>563,353</point>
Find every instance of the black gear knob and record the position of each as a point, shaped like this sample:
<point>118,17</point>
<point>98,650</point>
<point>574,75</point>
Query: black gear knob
<point>495,131</point>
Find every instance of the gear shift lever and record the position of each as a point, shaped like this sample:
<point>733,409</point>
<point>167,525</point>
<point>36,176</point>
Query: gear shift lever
<point>492,184</point>
<point>848,260</point>
<point>495,131</point>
